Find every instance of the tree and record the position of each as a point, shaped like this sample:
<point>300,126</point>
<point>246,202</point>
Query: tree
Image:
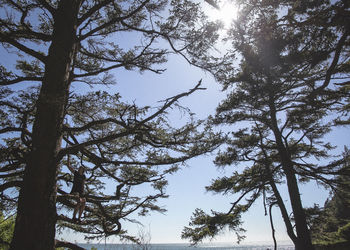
<point>61,42</point>
<point>213,3</point>
<point>6,230</point>
<point>330,224</point>
<point>291,54</point>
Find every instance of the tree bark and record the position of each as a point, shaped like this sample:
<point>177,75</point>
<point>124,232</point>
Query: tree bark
<point>36,212</point>
<point>273,227</point>
<point>279,202</point>
<point>303,235</point>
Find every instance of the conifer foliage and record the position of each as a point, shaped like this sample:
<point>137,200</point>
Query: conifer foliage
<point>282,72</point>
<point>55,44</point>
<point>331,224</point>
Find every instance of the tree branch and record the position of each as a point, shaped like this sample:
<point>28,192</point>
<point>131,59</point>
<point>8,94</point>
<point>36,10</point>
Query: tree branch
<point>120,62</point>
<point>213,3</point>
<point>334,63</point>
<point>240,198</point>
<point>171,101</point>
<point>65,244</point>
<point>272,226</point>
<point>12,174</point>
<point>94,123</point>
<point>10,184</point>
<point>111,22</point>
<point>47,6</point>
<point>91,11</point>
<point>21,79</point>
<point>131,130</point>
<point>25,49</point>
<point>13,129</point>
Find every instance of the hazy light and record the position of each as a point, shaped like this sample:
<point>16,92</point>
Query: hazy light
<point>228,11</point>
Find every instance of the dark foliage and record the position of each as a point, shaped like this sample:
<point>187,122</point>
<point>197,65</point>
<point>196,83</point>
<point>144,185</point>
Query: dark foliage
<point>292,58</point>
<point>56,44</point>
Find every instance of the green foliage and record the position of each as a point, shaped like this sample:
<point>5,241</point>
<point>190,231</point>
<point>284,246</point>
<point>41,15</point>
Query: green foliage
<point>6,231</point>
<point>344,232</point>
<point>331,224</point>
<point>208,226</point>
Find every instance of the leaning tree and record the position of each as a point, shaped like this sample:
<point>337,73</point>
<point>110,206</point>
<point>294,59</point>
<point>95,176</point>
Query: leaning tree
<point>55,44</point>
<point>292,55</point>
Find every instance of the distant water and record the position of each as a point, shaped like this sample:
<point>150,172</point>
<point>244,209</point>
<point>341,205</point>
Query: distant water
<point>183,247</point>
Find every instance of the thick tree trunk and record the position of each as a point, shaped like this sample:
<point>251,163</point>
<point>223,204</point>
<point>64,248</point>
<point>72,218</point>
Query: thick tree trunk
<point>303,235</point>
<point>36,212</point>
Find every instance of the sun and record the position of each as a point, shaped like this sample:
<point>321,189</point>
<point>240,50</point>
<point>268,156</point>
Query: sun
<point>228,11</point>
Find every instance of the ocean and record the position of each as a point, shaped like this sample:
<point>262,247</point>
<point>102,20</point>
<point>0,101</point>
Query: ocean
<point>183,247</point>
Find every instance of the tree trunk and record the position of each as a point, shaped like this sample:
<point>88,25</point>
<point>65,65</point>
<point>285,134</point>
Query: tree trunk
<point>282,207</point>
<point>303,235</point>
<point>273,227</point>
<point>36,212</point>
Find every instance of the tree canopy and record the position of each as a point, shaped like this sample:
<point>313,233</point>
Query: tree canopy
<point>330,224</point>
<point>6,230</point>
<point>55,44</point>
<point>286,73</point>
<point>292,55</point>
<point>119,144</point>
